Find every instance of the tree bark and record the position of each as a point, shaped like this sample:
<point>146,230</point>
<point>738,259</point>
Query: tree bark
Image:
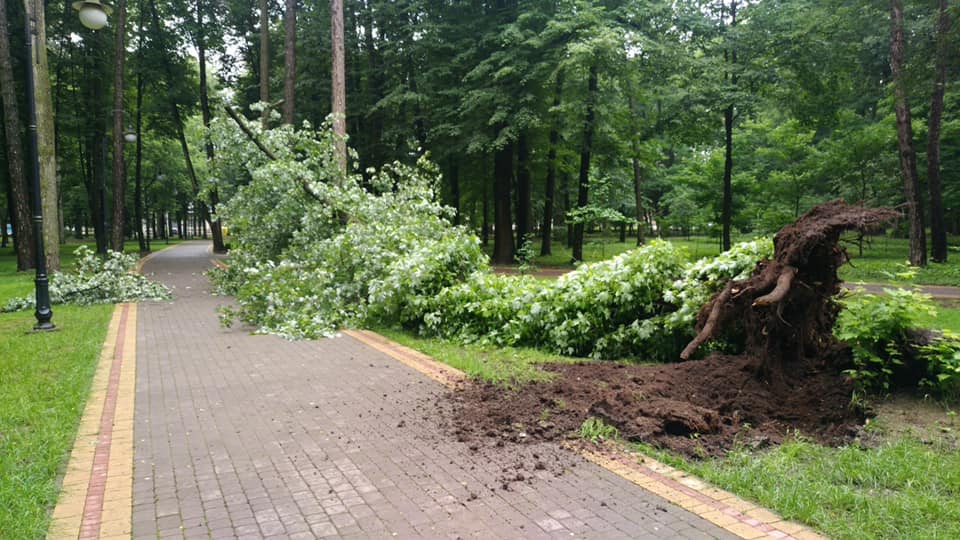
<point>119,168</point>
<point>215,228</point>
<point>454,177</point>
<point>289,59</point>
<point>726,217</point>
<point>144,246</point>
<point>523,189</point>
<point>584,178</point>
<point>550,190</point>
<point>264,62</point>
<point>338,82</point>
<point>637,171</point>
<point>908,156</point>
<point>46,142</point>
<point>502,222</point>
<point>19,188</point>
<point>938,229</point>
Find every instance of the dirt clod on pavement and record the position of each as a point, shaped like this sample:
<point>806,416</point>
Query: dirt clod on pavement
<point>788,379</point>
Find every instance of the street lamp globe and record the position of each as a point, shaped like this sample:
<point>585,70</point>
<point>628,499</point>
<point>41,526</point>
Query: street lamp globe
<point>93,14</point>
<point>130,136</point>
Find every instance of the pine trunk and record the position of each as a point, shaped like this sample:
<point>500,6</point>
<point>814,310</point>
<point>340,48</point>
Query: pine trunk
<point>289,59</point>
<point>19,187</point>
<point>908,156</point>
<point>264,62</point>
<point>523,190</point>
<point>502,222</point>
<point>938,230</point>
<point>338,82</point>
<point>215,228</point>
<point>119,169</point>
<point>583,182</point>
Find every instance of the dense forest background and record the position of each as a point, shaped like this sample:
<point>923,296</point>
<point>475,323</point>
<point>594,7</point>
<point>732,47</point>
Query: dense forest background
<point>546,118</point>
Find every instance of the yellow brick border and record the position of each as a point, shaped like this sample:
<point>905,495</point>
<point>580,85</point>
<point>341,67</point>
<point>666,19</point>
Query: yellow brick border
<point>115,517</point>
<point>717,506</point>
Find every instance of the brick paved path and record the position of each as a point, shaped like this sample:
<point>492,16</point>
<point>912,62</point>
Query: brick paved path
<point>239,435</point>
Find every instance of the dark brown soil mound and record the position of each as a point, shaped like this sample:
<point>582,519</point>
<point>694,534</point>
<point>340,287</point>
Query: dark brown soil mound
<point>695,408</point>
<point>787,380</point>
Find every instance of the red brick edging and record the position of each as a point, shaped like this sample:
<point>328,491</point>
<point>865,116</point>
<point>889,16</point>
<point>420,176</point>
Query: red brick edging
<point>96,487</point>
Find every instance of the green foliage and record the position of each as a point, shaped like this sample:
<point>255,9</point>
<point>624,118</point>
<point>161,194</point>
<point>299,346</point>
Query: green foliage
<point>943,362</point>
<point>876,328</point>
<point>97,280</point>
<point>596,430</point>
<point>315,249</point>
<point>639,304</point>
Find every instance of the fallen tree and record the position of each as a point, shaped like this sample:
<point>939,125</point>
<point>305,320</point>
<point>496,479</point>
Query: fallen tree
<point>785,311</point>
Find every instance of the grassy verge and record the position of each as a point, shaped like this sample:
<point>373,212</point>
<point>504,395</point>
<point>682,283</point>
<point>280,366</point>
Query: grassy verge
<point>901,488</point>
<point>505,366</point>
<point>45,379</point>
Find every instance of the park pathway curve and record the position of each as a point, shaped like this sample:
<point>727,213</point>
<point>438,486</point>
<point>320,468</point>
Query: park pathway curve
<point>250,436</point>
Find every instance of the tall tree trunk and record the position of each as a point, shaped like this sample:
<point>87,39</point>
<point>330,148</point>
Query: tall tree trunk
<point>215,228</point>
<point>264,62</point>
<point>637,171</point>
<point>289,59</point>
<point>938,229</point>
<point>583,182</point>
<point>485,219</point>
<point>49,194</point>
<point>454,177</point>
<point>19,188</point>
<point>502,222</point>
<point>726,212</point>
<point>524,225</point>
<point>908,156</point>
<point>138,174</point>
<point>119,169</point>
<point>550,190</point>
<point>338,82</point>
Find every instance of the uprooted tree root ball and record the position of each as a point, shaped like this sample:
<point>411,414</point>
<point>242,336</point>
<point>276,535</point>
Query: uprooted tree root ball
<point>788,378</point>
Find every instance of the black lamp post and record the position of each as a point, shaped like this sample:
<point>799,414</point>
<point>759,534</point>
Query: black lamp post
<point>43,312</point>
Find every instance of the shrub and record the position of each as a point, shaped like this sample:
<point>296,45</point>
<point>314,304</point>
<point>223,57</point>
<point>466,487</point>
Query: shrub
<point>877,329</point>
<point>97,280</point>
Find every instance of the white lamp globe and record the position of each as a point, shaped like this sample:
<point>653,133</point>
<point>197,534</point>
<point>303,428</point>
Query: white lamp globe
<point>93,14</point>
<point>130,137</point>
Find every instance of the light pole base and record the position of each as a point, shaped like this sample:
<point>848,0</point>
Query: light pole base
<point>44,326</point>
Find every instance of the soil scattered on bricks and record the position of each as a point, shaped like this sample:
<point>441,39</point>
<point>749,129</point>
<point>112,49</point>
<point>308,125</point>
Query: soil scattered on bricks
<point>788,378</point>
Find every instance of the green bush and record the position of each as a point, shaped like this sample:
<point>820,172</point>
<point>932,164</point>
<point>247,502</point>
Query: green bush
<point>877,328</point>
<point>943,363</point>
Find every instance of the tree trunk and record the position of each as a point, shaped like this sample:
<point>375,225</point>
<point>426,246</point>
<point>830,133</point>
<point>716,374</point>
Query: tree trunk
<point>455,190</point>
<point>138,174</point>
<point>550,190</point>
<point>289,59</point>
<point>583,182</point>
<point>19,188</point>
<point>637,171</point>
<point>215,228</point>
<point>726,212</point>
<point>908,156</point>
<point>485,219</point>
<point>45,141</point>
<point>938,230</point>
<point>338,82</point>
<point>264,62</point>
<point>119,169</point>
<point>523,190</point>
<point>502,222</point>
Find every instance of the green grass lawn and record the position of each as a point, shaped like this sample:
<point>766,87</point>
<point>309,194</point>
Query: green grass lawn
<point>44,382</point>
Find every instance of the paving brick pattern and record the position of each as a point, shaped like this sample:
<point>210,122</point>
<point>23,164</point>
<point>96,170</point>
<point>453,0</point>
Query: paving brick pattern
<point>247,436</point>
